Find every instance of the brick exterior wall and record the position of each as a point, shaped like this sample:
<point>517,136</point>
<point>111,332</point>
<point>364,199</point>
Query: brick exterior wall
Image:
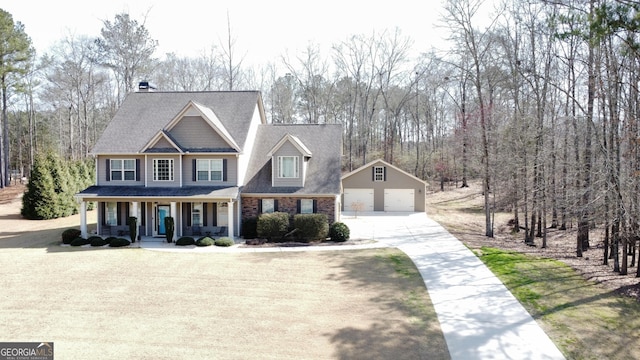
<point>325,205</point>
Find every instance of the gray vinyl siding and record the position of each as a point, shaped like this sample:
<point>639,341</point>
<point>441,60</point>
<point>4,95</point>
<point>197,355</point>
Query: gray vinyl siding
<point>163,144</point>
<point>287,149</point>
<point>176,171</point>
<point>232,171</point>
<point>193,132</point>
<point>102,170</point>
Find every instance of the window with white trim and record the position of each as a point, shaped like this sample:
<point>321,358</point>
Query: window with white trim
<point>288,167</point>
<point>268,206</point>
<point>306,206</point>
<point>122,169</point>
<point>378,173</point>
<point>196,214</point>
<point>162,169</point>
<point>209,169</point>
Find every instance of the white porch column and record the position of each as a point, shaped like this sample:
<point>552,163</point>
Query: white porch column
<point>136,212</point>
<point>230,219</point>
<point>83,219</point>
<point>174,213</point>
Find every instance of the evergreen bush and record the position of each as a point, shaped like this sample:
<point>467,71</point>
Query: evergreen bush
<point>205,241</point>
<point>119,242</point>
<point>169,228</point>
<point>185,241</point>
<point>273,226</point>
<point>97,241</point>
<point>250,228</point>
<point>311,226</point>
<point>79,242</point>
<point>339,232</point>
<point>224,241</point>
<point>69,235</point>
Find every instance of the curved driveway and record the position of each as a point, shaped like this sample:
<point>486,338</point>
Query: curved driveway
<point>480,318</point>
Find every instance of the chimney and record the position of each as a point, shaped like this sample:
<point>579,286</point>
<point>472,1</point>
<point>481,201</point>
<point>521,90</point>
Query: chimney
<point>145,86</point>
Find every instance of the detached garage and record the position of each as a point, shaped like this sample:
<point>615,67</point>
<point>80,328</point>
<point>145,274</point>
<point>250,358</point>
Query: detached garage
<point>380,186</point>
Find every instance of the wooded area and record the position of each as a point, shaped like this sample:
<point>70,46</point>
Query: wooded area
<point>541,104</point>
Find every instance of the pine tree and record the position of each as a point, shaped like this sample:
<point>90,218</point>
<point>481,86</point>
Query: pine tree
<point>40,200</point>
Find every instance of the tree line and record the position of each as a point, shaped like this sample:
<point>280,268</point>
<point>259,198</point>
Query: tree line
<point>540,102</point>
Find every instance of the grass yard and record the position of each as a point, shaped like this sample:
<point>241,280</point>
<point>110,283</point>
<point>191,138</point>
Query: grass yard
<point>586,319</point>
<point>129,303</point>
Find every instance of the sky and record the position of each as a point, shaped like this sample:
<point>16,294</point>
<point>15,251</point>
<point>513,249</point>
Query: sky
<point>264,30</point>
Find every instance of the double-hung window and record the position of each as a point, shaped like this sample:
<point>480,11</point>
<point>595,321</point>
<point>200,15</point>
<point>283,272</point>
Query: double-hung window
<point>122,169</point>
<point>111,216</point>
<point>288,167</point>
<point>163,169</point>
<point>306,206</point>
<point>209,169</point>
<point>268,206</point>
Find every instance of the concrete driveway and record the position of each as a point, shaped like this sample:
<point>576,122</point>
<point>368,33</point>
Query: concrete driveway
<point>480,318</point>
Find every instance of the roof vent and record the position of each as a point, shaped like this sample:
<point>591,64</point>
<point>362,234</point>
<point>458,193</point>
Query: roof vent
<point>145,86</point>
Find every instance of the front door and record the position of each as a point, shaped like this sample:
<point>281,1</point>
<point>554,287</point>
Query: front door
<point>163,211</point>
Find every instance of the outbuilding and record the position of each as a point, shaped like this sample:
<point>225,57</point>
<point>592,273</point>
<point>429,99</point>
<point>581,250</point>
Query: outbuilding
<point>380,186</point>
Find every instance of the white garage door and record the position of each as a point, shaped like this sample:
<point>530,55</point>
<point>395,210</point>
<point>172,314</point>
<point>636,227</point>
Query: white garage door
<point>361,198</point>
<point>399,200</point>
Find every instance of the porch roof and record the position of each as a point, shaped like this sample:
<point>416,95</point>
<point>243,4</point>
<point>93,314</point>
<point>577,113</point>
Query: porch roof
<point>188,192</point>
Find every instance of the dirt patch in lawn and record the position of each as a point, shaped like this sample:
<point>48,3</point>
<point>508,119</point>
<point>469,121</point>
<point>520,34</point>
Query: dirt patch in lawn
<point>105,303</point>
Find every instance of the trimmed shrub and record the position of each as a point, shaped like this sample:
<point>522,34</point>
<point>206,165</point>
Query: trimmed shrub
<point>185,241</point>
<point>311,227</point>
<point>224,241</point>
<point>273,226</point>
<point>339,232</point>
<point>79,242</point>
<point>205,241</point>
<point>169,226</point>
<point>69,235</point>
<point>119,242</point>
<point>110,239</point>
<point>97,241</point>
<point>250,228</point>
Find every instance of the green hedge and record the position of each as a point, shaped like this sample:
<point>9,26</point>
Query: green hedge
<point>224,241</point>
<point>311,227</point>
<point>79,242</point>
<point>339,232</point>
<point>69,235</point>
<point>119,242</point>
<point>205,241</point>
<point>97,241</point>
<point>273,226</point>
<point>250,228</point>
<point>185,241</point>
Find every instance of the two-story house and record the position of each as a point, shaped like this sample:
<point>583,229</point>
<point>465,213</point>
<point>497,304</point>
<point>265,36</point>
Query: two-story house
<point>208,159</point>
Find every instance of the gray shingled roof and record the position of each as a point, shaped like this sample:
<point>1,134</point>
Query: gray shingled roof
<point>324,168</point>
<point>143,114</point>
<point>141,191</point>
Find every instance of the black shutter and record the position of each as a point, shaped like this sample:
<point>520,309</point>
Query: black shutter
<point>137,169</point>
<point>298,206</point>
<point>143,213</point>
<point>215,214</point>
<point>204,213</point>
<point>275,205</point>
<point>384,173</point>
<point>224,169</point>
<point>373,173</point>
<point>126,214</point>
<point>103,210</point>
<point>315,206</point>
<point>108,169</point>
<point>259,206</point>
<point>193,170</point>
<point>188,208</point>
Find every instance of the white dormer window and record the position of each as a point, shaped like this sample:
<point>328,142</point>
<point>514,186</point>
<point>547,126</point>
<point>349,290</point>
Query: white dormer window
<point>162,169</point>
<point>288,167</point>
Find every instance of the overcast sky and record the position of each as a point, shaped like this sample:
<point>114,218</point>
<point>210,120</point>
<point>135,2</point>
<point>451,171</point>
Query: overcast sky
<point>264,29</point>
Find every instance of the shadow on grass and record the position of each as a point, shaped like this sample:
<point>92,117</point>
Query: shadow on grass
<point>400,294</point>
